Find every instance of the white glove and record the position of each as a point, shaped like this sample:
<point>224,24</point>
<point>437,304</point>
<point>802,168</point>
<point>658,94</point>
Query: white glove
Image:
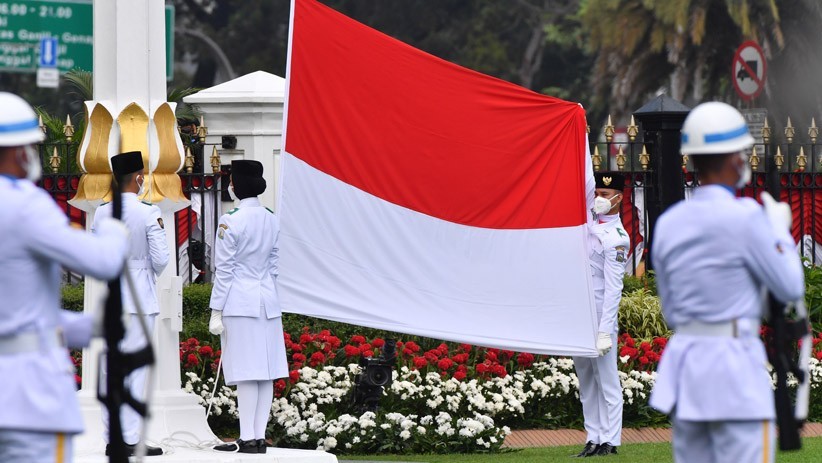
<point>215,325</point>
<point>604,343</point>
<point>779,213</point>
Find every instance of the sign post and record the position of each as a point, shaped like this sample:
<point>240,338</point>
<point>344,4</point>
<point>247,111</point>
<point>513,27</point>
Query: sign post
<point>749,70</point>
<point>48,76</point>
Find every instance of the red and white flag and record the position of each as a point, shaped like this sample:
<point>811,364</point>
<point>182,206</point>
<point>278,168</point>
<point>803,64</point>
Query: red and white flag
<point>422,197</point>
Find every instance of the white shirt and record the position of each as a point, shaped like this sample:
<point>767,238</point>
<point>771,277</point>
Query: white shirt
<point>712,254</point>
<point>245,255</point>
<point>148,251</point>
<point>39,392</point>
<point>609,252</point>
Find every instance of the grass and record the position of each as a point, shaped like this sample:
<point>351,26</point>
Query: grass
<point>628,453</point>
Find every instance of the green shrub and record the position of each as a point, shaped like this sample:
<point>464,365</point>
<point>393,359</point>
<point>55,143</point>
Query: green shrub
<point>73,297</point>
<point>640,315</point>
<point>632,283</point>
<point>813,296</point>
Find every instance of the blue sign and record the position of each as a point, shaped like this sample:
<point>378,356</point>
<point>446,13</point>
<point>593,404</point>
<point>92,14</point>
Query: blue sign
<point>48,52</point>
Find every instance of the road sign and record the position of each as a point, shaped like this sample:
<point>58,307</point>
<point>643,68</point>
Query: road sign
<point>749,70</point>
<point>48,52</point>
<point>24,23</point>
<point>48,77</point>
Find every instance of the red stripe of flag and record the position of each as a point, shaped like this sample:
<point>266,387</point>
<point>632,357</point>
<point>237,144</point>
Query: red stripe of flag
<point>429,135</point>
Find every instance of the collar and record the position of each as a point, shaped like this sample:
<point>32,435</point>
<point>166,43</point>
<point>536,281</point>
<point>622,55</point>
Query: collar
<point>251,201</point>
<point>715,191</point>
<point>608,218</point>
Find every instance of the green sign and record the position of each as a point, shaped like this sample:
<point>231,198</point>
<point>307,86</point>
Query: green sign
<point>24,22</point>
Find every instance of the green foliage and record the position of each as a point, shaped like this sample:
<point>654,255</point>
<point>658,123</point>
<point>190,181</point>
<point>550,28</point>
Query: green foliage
<point>813,295</point>
<point>631,283</point>
<point>73,297</point>
<point>640,315</point>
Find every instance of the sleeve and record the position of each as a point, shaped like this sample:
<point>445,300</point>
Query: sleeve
<point>773,259</point>
<point>615,258</point>
<point>274,256</point>
<point>225,251</point>
<point>157,244</point>
<point>49,235</point>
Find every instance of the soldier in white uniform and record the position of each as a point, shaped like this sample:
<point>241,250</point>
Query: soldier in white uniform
<point>39,410</point>
<point>599,387</point>
<point>148,256</point>
<point>712,254</point>
<point>245,307</point>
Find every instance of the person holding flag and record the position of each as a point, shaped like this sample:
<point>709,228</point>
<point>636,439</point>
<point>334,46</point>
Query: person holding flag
<point>40,412</point>
<point>245,309</point>
<point>599,388</point>
<point>712,255</point>
<point>148,257</point>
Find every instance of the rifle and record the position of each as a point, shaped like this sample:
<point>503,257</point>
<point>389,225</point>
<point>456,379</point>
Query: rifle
<point>786,332</point>
<point>119,364</point>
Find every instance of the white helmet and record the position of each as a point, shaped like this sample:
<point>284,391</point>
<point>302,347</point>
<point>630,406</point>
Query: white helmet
<point>18,122</point>
<point>715,128</point>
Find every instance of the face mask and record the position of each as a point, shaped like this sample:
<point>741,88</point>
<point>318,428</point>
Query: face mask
<point>32,164</point>
<point>745,174</point>
<point>602,205</point>
<point>231,193</point>
<point>142,187</point>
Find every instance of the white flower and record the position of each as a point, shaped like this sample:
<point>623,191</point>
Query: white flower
<point>405,435</point>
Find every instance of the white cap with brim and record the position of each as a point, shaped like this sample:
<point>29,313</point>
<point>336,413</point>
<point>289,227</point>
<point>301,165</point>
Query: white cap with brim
<point>18,122</point>
<point>715,128</point>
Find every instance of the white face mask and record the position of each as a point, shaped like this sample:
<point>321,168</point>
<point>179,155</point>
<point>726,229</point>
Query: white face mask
<point>231,193</point>
<point>745,174</point>
<point>603,205</point>
<point>32,164</point>
<point>142,185</point>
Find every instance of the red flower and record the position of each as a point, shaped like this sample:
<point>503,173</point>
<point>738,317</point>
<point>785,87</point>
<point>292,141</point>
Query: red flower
<point>445,364</point>
<point>306,338</point>
<point>297,365</point>
<point>78,379</point>
<point>368,353</point>
<point>419,362</point>
<point>482,368</point>
<point>460,358</point>
<point>334,341</point>
<point>491,355</point>
<point>294,376</point>
<point>377,342</point>
<point>818,355</point>
<point>357,339</point>
<point>432,356</point>
<point>351,351</point>
<point>443,349</point>
<point>297,357</point>
<point>629,351</point>
<point>643,360</point>
<point>629,341</point>
<point>206,351</point>
<point>297,347</point>
<point>317,358</point>
<point>499,370</point>
<point>525,359</point>
<point>279,386</point>
<point>465,347</point>
<point>412,346</point>
<point>646,346</point>
<point>192,361</point>
<point>508,353</point>
<point>660,342</point>
<point>364,347</point>
<point>459,375</point>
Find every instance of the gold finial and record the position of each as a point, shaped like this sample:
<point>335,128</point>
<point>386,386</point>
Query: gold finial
<point>632,130</point>
<point>40,123</point>
<point>54,161</point>
<point>789,131</point>
<point>813,131</point>
<point>202,131</point>
<point>620,159</point>
<point>596,160</point>
<point>779,159</point>
<point>685,159</point>
<point>68,129</point>
<point>766,132</point>
<point>215,160</point>
<point>189,160</point>
<point>644,158</point>
<point>609,130</point>
<point>754,159</point>
<point>801,160</point>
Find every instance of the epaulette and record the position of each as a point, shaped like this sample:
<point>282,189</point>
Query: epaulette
<point>269,210</point>
<point>233,211</point>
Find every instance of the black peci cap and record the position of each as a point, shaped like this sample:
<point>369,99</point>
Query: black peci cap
<point>248,178</point>
<point>127,163</point>
<point>612,180</point>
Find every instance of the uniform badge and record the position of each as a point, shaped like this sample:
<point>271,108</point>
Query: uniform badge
<point>621,232</point>
<point>620,254</point>
<point>221,231</point>
<point>160,222</point>
<point>607,181</point>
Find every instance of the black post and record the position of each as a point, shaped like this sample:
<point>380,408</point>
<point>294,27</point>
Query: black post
<point>660,122</point>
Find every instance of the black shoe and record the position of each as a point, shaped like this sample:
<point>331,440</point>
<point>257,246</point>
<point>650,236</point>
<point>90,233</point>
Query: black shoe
<point>261,445</point>
<point>590,449</point>
<point>131,449</point>
<point>238,446</point>
<point>605,449</point>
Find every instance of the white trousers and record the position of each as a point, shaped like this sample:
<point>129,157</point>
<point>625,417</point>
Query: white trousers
<point>724,441</point>
<point>133,340</point>
<point>601,394</point>
<point>35,447</point>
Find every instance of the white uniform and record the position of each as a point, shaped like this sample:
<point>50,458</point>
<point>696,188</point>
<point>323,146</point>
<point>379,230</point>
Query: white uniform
<point>712,254</point>
<point>599,387</point>
<point>246,292</point>
<point>148,256</point>
<point>39,392</point>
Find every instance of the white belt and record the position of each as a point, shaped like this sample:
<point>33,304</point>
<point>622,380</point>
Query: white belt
<point>741,327</point>
<point>30,341</point>
<point>138,264</point>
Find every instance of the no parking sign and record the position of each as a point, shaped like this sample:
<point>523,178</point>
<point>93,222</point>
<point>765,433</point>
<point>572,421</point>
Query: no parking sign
<point>749,70</point>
